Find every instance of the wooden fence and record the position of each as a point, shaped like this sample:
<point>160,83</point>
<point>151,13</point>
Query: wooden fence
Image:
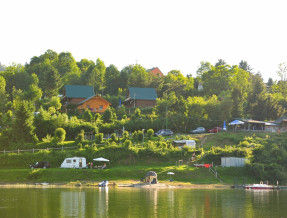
<point>33,150</point>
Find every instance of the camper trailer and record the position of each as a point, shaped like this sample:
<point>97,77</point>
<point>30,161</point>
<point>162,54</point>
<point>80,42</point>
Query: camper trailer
<point>74,162</point>
<point>182,143</point>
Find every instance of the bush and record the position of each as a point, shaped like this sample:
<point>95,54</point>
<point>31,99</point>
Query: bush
<point>60,135</point>
<point>150,133</point>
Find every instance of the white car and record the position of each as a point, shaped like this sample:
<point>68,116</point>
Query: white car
<point>198,130</point>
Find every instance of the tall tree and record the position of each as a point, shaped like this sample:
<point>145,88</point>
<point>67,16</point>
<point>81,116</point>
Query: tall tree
<point>68,68</point>
<point>138,77</point>
<point>23,127</point>
<point>282,84</point>
<point>245,66</point>
<point>50,80</point>
<point>256,99</point>
<point>112,80</point>
<point>3,95</point>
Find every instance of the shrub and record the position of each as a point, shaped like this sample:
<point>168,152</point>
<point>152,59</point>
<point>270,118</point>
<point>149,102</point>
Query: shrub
<point>60,135</point>
<point>150,133</point>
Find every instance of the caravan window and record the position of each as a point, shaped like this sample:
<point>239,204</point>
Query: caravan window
<point>74,160</point>
<point>68,161</point>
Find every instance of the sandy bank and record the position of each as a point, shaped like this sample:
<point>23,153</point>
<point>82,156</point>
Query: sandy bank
<point>115,184</point>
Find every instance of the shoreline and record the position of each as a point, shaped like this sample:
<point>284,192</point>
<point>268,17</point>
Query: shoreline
<point>115,184</point>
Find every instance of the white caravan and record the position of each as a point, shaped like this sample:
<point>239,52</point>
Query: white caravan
<point>74,162</point>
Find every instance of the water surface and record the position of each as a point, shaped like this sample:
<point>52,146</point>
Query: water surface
<point>140,202</point>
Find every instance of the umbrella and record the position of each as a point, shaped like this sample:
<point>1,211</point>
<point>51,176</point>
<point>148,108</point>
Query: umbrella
<point>170,173</point>
<point>101,159</point>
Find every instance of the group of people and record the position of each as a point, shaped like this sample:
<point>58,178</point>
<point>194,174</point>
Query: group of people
<point>90,165</point>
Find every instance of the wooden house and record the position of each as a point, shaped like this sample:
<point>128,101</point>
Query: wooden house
<point>73,94</point>
<point>94,103</point>
<point>140,97</point>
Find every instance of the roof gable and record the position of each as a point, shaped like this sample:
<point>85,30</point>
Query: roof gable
<point>95,97</point>
<point>77,91</point>
<point>155,71</point>
<point>142,93</point>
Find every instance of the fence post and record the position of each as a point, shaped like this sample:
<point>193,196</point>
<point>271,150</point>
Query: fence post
<point>4,151</point>
<point>18,151</point>
<point>33,150</point>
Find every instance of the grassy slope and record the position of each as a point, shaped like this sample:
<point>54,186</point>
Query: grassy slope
<point>138,170</point>
<point>121,173</point>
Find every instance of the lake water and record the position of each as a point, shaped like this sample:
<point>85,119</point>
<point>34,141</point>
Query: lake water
<point>140,202</point>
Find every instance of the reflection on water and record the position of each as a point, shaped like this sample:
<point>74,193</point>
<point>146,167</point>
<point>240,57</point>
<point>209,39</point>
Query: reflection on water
<point>137,202</point>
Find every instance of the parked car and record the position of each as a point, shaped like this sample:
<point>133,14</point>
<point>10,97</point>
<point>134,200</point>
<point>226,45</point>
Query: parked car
<point>198,130</point>
<point>164,132</point>
<point>41,164</point>
<point>215,129</point>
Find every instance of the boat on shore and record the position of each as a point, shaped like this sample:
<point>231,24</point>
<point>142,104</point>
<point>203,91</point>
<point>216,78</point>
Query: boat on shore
<point>260,186</point>
<point>104,183</point>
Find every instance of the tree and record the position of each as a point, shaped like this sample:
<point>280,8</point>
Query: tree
<point>24,121</point>
<point>100,76</point>
<point>84,65</point>
<point>282,84</point>
<point>220,62</point>
<point>50,80</point>
<point>3,95</point>
<point>109,116</point>
<point>112,76</point>
<point>60,135</point>
<point>68,68</point>
<point>34,93</point>
<point>217,79</point>
<point>256,99</point>
<point>245,66</point>
<point>138,77</point>
<point>56,102</point>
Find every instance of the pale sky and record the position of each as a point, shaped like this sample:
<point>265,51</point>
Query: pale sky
<point>154,33</point>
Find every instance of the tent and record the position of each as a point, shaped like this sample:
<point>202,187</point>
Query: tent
<point>101,159</point>
<point>151,177</point>
<point>236,122</point>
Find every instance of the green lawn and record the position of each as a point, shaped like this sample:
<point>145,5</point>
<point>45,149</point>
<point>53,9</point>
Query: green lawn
<point>183,173</point>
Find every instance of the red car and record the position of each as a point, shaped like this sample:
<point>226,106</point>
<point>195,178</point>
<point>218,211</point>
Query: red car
<point>215,130</point>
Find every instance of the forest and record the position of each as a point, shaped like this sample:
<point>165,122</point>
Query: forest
<point>228,92</point>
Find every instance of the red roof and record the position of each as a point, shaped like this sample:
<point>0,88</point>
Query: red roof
<point>155,71</point>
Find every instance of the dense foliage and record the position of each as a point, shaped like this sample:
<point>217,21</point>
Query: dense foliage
<point>31,110</point>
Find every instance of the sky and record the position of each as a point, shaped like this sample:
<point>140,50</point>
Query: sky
<point>171,35</point>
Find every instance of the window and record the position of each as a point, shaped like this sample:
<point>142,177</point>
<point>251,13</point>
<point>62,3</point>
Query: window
<point>74,160</point>
<point>68,161</point>
<point>100,107</point>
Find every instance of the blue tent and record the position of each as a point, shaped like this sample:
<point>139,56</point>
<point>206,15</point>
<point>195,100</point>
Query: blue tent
<point>236,122</point>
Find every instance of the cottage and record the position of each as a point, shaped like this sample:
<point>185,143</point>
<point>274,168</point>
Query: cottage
<point>74,94</point>
<point>140,97</point>
<point>94,103</point>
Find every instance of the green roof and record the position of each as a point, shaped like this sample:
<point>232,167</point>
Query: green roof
<point>77,91</point>
<point>142,93</point>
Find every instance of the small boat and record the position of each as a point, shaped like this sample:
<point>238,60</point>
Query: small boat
<point>259,186</point>
<point>104,183</point>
